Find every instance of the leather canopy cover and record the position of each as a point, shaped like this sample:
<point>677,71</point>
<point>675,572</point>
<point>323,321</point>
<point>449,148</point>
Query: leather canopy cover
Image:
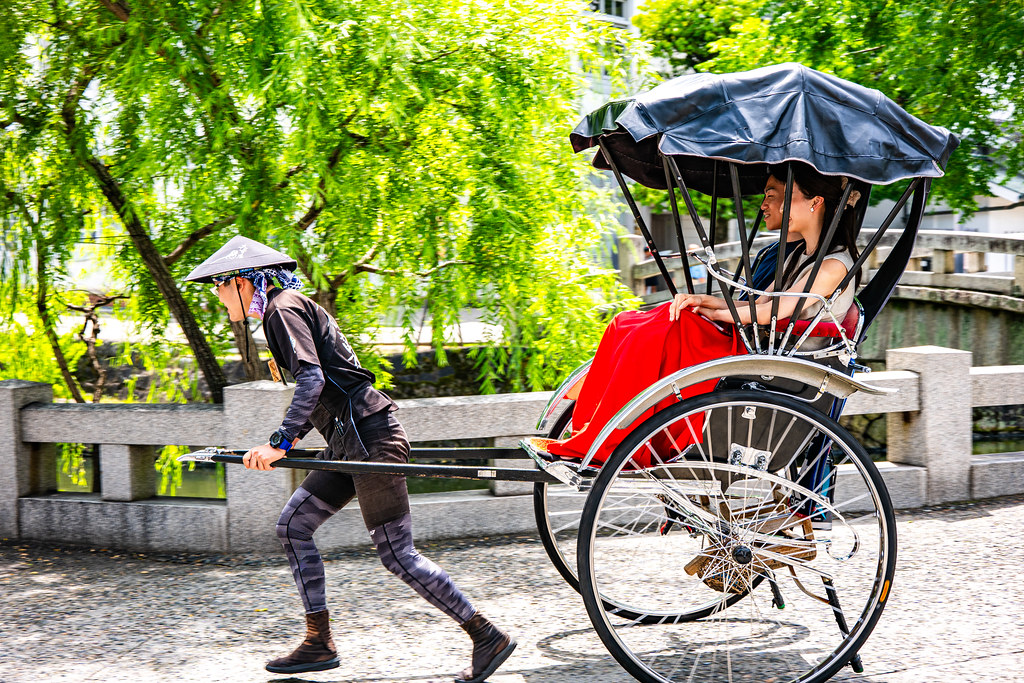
<point>761,117</point>
<point>239,253</point>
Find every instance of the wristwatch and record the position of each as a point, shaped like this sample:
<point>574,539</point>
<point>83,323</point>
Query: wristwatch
<point>278,440</point>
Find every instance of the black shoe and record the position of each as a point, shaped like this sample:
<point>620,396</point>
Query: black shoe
<point>491,647</point>
<point>317,652</point>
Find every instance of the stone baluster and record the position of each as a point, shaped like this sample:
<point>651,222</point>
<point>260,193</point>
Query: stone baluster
<point>27,468</point>
<point>938,436</point>
<point>252,411</point>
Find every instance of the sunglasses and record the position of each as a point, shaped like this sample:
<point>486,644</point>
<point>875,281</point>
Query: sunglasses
<point>218,285</point>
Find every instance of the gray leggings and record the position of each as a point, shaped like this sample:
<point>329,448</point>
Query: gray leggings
<point>384,503</point>
<point>305,512</point>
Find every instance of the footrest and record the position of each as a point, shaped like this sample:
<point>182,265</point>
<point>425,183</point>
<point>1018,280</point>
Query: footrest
<point>538,446</point>
<point>558,469</point>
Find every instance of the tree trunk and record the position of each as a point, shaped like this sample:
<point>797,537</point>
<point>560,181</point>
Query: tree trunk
<point>51,336</point>
<point>328,299</point>
<point>165,283</point>
<point>246,345</point>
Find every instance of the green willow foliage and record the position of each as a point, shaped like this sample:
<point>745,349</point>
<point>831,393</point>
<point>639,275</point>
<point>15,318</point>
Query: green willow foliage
<point>408,154</point>
<point>957,64</point>
<point>682,32</point>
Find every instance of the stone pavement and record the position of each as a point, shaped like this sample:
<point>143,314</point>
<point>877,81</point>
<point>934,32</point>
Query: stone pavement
<point>73,614</point>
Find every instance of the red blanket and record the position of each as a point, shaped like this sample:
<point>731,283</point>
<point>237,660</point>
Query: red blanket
<point>637,349</point>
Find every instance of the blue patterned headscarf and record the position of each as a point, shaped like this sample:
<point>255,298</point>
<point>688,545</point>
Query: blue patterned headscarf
<point>260,278</point>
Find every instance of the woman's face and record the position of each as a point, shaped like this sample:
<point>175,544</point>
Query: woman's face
<point>801,218</point>
<point>228,292</point>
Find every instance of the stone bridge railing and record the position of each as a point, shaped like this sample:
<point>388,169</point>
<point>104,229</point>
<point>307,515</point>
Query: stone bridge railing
<point>929,459</point>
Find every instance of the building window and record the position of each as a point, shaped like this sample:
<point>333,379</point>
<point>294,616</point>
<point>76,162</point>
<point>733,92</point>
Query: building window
<point>616,8</point>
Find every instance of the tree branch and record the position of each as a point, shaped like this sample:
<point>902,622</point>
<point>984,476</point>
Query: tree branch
<point>119,9</point>
<point>195,236</point>
<point>320,198</point>
<point>447,53</point>
<point>436,57</point>
<point>143,244</point>
<point>201,31</point>
<point>48,324</point>
<point>213,81</point>
<point>90,341</point>
<point>214,226</point>
<point>69,110</point>
<point>365,259</point>
<point>420,274</point>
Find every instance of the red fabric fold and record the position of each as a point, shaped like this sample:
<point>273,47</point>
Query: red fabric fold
<point>637,349</point>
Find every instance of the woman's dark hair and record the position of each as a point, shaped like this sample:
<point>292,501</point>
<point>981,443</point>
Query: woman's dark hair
<point>811,184</point>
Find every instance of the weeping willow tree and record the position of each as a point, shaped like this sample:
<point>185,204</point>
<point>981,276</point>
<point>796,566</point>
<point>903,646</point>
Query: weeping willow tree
<point>410,155</point>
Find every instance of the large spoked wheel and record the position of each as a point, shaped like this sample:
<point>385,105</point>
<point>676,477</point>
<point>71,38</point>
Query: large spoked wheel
<point>558,509</point>
<point>756,516</point>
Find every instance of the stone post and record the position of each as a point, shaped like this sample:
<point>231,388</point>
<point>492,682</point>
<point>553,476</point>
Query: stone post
<point>511,488</point>
<point>252,411</point>
<point>26,468</point>
<point>938,436</point>
<point>1018,275</point>
<point>127,472</point>
<point>631,249</point>
<point>942,261</point>
<point>974,262</point>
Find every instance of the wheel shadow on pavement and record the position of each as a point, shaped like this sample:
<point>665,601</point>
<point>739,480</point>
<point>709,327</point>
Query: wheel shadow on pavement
<point>597,665</point>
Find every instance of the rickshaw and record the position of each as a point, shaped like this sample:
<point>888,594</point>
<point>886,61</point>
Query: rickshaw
<point>742,533</point>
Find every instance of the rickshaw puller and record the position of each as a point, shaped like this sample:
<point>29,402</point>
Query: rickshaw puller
<point>335,394</point>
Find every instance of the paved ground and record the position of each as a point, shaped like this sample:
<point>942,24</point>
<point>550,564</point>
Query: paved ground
<point>70,614</point>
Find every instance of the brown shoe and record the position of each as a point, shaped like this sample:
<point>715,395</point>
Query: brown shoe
<point>317,652</point>
<point>491,647</point>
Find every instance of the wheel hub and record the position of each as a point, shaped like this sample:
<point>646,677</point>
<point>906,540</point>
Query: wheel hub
<point>742,554</point>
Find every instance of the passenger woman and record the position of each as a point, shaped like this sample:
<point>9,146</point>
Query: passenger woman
<point>640,347</point>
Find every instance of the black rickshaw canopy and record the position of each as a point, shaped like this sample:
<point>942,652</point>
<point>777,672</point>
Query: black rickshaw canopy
<point>765,116</point>
<point>720,134</point>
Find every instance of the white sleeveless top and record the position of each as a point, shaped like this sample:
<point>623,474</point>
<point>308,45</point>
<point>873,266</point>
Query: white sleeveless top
<point>845,299</point>
<point>811,307</point>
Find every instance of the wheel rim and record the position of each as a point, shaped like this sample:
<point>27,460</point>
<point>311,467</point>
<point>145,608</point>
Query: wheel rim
<point>732,531</point>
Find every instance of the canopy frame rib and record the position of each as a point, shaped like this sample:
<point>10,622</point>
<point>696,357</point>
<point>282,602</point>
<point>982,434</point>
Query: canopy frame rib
<point>677,220</point>
<point>781,255</point>
<point>712,263</point>
<point>638,217</point>
<point>737,199</point>
<point>919,197</point>
<point>713,225</point>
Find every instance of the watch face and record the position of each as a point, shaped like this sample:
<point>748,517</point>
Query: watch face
<point>275,439</point>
